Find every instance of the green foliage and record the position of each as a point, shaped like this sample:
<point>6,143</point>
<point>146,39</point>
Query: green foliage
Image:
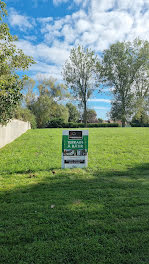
<point>44,103</point>
<point>80,74</point>
<point>55,123</point>
<point>45,110</point>
<point>9,96</point>
<point>3,11</point>
<point>25,114</point>
<point>97,215</point>
<point>73,113</point>
<point>11,59</point>
<point>122,67</point>
<point>29,95</point>
<point>42,109</point>
<point>61,112</point>
<point>100,120</point>
<point>103,125</point>
<point>140,119</point>
<point>53,88</point>
<point>91,116</point>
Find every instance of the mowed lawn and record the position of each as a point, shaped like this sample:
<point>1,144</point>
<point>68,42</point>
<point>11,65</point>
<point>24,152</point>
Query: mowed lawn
<point>79,216</point>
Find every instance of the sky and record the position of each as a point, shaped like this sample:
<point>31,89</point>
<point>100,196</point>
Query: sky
<point>48,29</point>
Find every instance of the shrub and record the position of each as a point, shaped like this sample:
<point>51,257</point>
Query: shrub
<point>139,125</point>
<point>140,119</point>
<point>55,123</point>
<point>103,125</point>
<point>25,114</point>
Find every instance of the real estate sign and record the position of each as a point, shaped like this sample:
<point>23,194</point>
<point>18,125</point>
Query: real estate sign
<point>75,149</point>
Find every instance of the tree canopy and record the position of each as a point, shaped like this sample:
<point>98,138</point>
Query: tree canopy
<point>11,60</point>
<point>79,73</point>
<point>121,69</point>
<point>91,116</point>
<point>73,112</point>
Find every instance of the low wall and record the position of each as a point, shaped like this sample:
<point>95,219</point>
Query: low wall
<point>12,130</point>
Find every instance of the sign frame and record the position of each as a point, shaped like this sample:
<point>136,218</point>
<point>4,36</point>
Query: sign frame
<point>75,149</point>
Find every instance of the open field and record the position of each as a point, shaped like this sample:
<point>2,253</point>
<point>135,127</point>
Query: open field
<point>98,215</point>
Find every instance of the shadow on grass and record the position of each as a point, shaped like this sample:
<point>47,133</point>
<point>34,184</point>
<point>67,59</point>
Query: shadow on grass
<point>95,172</point>
<point>77,216</point>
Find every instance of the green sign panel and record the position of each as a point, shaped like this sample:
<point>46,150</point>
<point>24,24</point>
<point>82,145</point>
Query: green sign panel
<point>74,149</point>
<point>75,143</point>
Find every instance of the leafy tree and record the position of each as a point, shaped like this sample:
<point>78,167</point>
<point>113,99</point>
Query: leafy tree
<point>79,73</point>
<point>42,109</point>
<point>61,113</point>
<point>54,89</point>
<point>141,98</point>
<point>56,122</point>
<point>91,116</point>
<point>100,120</point>
<point>45,105</point>
<point>121,69</point>
<point>11,59</point>
<point>141,118</point>
<point>73,113</point>
<point>29,95</point>
<point>25,114</point>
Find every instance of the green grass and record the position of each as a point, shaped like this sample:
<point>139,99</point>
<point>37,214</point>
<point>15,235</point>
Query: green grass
<point>79,216</point>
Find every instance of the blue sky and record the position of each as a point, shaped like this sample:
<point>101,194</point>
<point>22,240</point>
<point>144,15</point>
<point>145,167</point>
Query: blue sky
<point>48,29</point>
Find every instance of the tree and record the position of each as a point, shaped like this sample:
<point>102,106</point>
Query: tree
<point>44,103</point>
<point>29,96</point>
<point>45,109</point>
<point>61,112</point>
<point>100,120</point>
<point>121,69</point>
<point>26,115</point>
<point>79,73</point>
<point>141,99</point>
<point>141,118</point>
<point>91,116</point>
<point>42,109</point>
<point>73,113</point>
<point>54,89</point>
<point>11,59</point>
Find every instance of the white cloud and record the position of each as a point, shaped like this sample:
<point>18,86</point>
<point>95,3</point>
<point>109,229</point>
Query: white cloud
<point>98,6</point>
<point>99,100</point>
<point>97,26</point>
<point>77,2</point>
<point>45,19</point>
<point>58,2</point>
<point>101,108</point>
<point>23,22</point>
<point>133,6</point>
<point>53,55</point>
<point>30,38</point>
<point>101,26</point>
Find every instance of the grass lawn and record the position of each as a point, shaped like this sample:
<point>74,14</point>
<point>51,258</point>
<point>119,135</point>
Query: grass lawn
<point>79,216</point>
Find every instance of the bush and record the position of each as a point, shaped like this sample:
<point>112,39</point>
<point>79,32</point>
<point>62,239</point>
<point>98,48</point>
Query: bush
<point>59,123</point>
<point>55,123</point>
<point>103,125</point>
<point>140,119</point>
<point>139,125</point>
<point>25,114</point>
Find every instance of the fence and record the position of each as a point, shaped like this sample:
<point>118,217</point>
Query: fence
<point>12,130</point>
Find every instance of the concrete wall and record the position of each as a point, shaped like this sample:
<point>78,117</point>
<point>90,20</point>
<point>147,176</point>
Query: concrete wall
<point>12,130</point>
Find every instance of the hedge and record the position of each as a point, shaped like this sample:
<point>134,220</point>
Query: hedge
<point>58,123</point>
<point>139,125</point>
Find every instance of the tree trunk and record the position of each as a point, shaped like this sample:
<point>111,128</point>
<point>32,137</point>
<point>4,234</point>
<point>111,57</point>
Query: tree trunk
<point>85,115</point>
<point>123,123</point>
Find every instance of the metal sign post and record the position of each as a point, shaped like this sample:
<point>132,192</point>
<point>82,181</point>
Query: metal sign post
<point>75,149</point>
